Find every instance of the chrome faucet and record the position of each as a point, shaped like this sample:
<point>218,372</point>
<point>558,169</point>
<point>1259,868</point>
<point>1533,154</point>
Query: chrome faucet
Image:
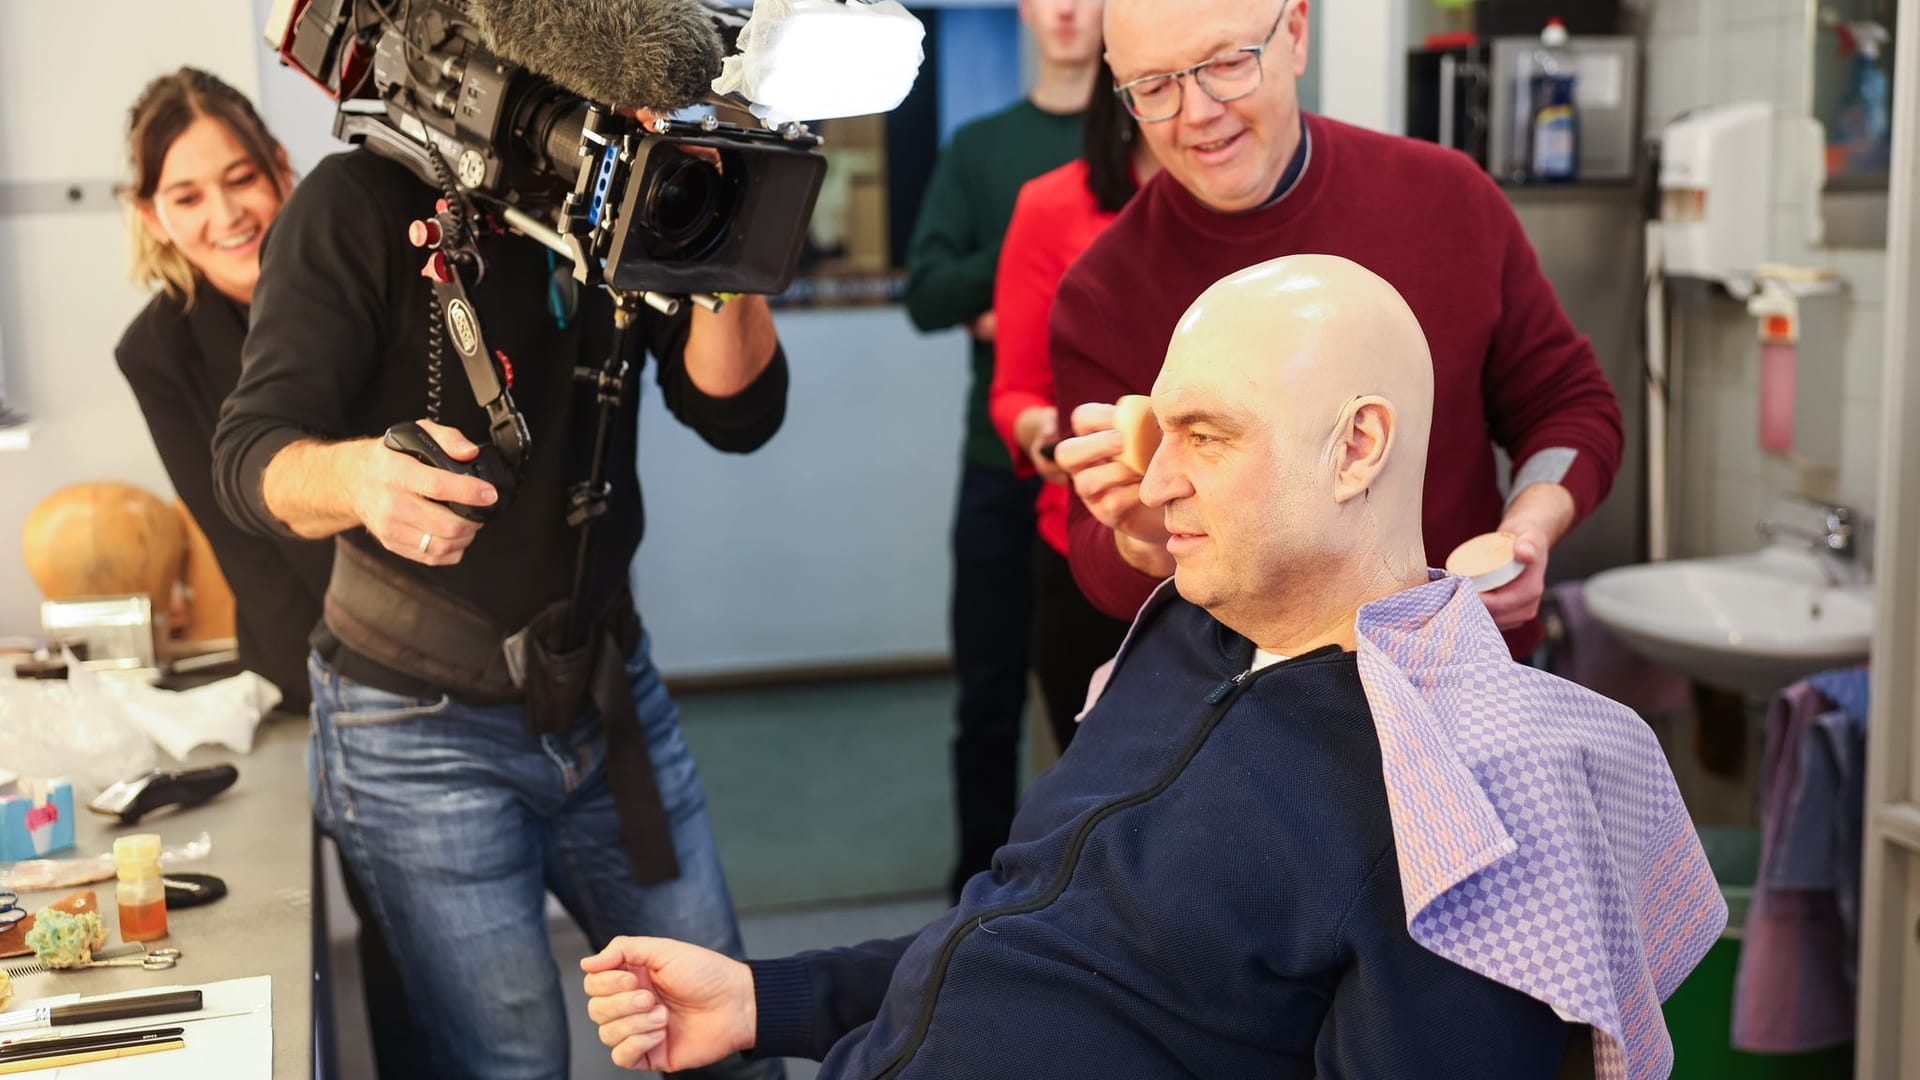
<point>1837,538</point>
<point>1836,543</point>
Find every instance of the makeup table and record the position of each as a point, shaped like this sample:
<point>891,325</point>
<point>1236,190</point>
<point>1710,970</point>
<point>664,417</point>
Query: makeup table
<point>263,849</point>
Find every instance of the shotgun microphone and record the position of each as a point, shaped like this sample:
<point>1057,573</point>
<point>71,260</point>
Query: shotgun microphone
<point>662,54</point>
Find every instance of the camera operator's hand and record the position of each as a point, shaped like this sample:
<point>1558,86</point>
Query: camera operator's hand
<point>319,489</point>
<point>727,351</point>
<point>398,503</point>
<point>707,154</point>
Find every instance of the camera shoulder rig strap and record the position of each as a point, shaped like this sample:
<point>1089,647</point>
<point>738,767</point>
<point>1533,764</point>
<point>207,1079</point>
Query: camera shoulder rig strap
<point>450,237</point>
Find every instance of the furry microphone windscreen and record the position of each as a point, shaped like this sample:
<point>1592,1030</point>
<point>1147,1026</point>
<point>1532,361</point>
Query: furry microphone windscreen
<point>661,54</point>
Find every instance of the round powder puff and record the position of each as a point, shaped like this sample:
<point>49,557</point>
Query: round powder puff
<point>1139,431</point>
<point>1487,559</point>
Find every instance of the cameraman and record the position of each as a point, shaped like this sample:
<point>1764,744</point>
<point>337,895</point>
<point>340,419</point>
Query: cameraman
<point>459,803</point>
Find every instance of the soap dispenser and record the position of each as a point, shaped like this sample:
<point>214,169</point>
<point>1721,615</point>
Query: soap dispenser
<point>1797,318</point>
<point>1716,189</point>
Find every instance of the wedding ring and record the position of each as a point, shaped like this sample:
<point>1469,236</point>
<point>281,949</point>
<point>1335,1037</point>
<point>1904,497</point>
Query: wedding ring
<point>425,539</point>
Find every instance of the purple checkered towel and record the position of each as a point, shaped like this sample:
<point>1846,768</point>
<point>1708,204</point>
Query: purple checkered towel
<point>1541,838</point>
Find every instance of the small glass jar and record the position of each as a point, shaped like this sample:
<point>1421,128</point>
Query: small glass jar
<point>140,894</point>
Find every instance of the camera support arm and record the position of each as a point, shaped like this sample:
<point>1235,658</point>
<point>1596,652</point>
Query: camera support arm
<point>450,237</point>
<point>588,499</point>
<point>492,389</point>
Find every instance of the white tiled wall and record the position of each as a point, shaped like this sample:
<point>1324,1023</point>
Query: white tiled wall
<point>1707,52</point>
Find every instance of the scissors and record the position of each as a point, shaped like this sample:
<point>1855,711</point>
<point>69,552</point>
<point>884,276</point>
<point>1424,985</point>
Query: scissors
<point>151,960</point>
<point>10,910</point>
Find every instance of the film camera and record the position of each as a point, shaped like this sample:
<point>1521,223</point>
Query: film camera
<point>669,208</point>
<point>518,111</point>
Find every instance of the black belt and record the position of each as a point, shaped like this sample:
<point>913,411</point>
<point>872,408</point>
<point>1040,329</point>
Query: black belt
<point>403,623</point>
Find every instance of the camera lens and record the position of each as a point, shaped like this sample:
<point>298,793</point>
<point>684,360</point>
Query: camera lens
<point>686,212</point>
<point>686,198</point>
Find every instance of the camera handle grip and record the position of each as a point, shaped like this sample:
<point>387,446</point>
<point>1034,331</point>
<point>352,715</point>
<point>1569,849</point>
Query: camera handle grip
<point>411,439</point>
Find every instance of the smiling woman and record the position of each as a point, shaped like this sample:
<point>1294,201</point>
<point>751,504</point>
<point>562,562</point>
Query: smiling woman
<point>207,181</point>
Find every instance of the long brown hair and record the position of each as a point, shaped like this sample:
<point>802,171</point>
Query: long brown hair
<point>1107,136</point>
<point>166,108</point>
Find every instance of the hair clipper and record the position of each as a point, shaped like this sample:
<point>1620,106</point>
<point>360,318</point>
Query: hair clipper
<point>130,800</point>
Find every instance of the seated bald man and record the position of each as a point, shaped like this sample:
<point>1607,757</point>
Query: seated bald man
<point>1317,823</point>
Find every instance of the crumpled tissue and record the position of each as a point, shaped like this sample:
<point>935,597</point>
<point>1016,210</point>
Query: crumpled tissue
<point>224,712</point>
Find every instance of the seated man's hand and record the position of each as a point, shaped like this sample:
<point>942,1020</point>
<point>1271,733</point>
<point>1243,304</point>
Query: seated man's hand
<point>668,1005</point>
<point>1111,490</point>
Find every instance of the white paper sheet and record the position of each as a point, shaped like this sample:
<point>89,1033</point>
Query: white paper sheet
<point>233,1047</point>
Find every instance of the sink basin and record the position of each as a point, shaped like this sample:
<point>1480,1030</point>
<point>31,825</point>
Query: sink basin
<point>1752,623</point>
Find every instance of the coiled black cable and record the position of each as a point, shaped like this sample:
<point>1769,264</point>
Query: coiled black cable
<point>457,205</point>
<point>454,244</point>
<point>436,356</point>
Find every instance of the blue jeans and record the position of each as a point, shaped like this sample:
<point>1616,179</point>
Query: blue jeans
<point>458,821</point>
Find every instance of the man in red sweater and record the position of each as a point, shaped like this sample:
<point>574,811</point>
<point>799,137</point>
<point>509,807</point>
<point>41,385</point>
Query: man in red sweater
<point>1246,177</point>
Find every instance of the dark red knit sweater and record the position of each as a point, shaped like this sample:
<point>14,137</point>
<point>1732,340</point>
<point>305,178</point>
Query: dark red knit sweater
<point>1508,366</point>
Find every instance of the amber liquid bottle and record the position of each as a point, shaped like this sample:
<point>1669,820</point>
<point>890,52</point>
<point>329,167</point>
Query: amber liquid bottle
<point>141,896</point>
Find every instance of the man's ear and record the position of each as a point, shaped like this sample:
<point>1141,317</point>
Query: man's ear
<point>1362,440</point>
<point>1295,29</point>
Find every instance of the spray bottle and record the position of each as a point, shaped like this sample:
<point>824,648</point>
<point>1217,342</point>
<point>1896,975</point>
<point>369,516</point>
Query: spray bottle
<point>1553,124</point>
<point>1861,131</point>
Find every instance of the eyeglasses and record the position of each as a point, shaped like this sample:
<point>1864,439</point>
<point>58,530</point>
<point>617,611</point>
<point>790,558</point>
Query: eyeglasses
<point>1227,77</point>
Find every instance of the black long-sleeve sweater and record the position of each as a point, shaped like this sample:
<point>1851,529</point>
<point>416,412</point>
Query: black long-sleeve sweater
<point>182,362</point>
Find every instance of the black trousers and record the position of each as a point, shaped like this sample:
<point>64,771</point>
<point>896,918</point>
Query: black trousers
<point>1071,638</point>
<point>992,612</point>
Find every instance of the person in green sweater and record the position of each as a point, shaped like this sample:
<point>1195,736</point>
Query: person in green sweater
<point>950,268</point>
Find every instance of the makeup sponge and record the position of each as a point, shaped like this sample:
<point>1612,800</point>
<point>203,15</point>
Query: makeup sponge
<point>61,940</point>
<point>1487,559</point>
<point>1139,431</point>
